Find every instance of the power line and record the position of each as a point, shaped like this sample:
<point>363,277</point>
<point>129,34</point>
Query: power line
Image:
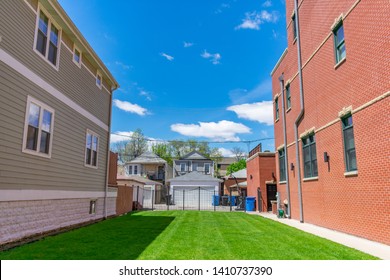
<point>203,141</point>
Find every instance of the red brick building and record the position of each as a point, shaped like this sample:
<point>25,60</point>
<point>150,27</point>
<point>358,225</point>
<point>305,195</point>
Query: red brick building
<point>331,92</point>
<point>260,168</point>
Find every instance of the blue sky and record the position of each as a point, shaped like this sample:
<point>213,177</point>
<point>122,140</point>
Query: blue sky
<point>188,69</point>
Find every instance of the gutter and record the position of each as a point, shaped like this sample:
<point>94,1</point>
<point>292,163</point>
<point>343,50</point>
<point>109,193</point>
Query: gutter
<point>281,79</point>
<point>301,113</point>
<point>108,157</point>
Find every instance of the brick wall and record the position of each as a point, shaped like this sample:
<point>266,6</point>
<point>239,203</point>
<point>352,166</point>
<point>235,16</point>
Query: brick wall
<point>358,204</point>
<point>260,168</point>
<point>21,219</point>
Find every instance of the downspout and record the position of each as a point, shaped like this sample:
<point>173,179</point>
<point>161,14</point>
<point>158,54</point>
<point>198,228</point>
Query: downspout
<point>281,79</point>
<point>108,155</point>
<point>301,113</point>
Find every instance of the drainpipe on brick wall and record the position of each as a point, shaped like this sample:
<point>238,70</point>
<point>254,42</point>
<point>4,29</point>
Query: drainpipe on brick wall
<point>301,113</point>
<point>281,80</point>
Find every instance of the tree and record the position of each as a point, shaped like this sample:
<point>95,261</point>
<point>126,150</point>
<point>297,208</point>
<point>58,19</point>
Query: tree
<point>236,166</point>
<point>164,151</point>
<point>238,153</point>
<point>134,147</point>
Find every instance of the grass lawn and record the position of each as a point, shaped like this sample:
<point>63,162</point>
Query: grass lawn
<point>185,235</point>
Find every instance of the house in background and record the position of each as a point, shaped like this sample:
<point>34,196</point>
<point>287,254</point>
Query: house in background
<point>193,161</point>
<point>223,165</point>
<point>235,183</point>
<point>261,180</point>
<point>148,165</point>
<point>331,111</point>
<point>55,110</point>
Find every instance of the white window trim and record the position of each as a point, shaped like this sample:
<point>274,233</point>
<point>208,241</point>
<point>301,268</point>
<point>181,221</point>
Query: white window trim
<point>51,21</point>
<point>47,108</point>
<point>81,54</point>
<point>98,74</point>
<point>97,150</point>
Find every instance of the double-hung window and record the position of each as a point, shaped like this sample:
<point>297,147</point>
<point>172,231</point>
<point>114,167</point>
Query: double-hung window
<point>276,109</point>
<point>282,165</point>
<point>77,56</point>
<point>130,169</point>
<point>38,129</point>
<point>207,168</point>
<point>182,167</point>
<point>288,96</point>
<point>339,42</point>
<point>309,157</point>
<point>294,27</point>
<point>99,80</point>
<point>91,150</point>
<point>47,39</point>
<point>349,144</point>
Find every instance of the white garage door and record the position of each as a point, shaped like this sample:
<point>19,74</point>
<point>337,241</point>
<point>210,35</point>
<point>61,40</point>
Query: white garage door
<point>193,197</point>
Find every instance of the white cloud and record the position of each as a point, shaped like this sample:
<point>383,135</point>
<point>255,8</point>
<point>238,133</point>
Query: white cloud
<point>187,44</point>
<point>124,66</point>
<point>146,95</point>
<point>214,58</point>
<point>261,91</point>
<point>221,131</point>
<point>267,4</point>
<point>255,19</point>
<point>130,107</point>
<point>167,56</point>
<point>226,152</point>
<point>261,112</point>
<point>120,136</point>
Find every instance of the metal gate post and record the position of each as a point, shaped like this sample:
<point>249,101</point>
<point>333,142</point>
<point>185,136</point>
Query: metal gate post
<point>230,198</point>
<point>214,201</point>
<point>199,199</point>
<point>244,197</point>
<point>137,198</point>
<point>183,198</point>
<point>153,193</point>
<point>260,201</point>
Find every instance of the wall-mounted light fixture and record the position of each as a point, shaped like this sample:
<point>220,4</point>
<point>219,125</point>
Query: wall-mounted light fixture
<point>291,166</point>
<point>250,177</point>
<point>326,157</point>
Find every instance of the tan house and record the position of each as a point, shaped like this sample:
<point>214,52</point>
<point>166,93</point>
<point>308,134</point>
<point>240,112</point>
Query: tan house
<point>55,107</point>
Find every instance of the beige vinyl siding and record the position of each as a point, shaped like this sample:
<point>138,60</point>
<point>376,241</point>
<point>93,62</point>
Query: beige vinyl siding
<point>67,41</point>
<point>65,169</point>
<point>33,4</point>
<point>17,28</point>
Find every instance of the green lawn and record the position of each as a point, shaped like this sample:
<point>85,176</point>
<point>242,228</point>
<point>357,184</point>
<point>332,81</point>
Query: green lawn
<point>185,235</point>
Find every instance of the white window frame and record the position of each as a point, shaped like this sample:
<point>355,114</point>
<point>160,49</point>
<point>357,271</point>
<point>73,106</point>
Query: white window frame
<point>130,168</point>
<point>90,132</point>
<point>42,108</point>
<point>50,23</point>
<point>99,75</point>
<point>80,56</point>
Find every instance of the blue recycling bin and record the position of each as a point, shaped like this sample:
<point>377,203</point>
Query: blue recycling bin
<point>215,200</point>
<point>250,203</point>
<point>233,201</point>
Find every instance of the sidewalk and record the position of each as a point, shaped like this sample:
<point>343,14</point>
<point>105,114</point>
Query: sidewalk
<point>376,249</point>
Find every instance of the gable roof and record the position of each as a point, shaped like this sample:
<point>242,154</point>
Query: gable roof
<point>138,179</point>
<point>194,155</point>
<point>194,176</point>
<point>148,157</point>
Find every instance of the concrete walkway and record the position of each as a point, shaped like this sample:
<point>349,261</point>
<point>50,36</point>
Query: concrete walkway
<point>376,249</point>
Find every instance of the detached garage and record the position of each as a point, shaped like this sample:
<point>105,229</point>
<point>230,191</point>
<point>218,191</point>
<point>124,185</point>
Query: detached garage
<point>194,189</point>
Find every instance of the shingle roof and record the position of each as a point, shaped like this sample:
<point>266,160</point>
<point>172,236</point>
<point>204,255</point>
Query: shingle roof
<point>194,155</point>
<point>136,178</point>
<point>148,157</point>
<point>239,174</point>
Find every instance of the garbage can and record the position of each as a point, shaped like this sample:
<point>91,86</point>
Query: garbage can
<point>280,213</point>
<point>250,203</point>
<point>233,200</point>
<point>215,200</point>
